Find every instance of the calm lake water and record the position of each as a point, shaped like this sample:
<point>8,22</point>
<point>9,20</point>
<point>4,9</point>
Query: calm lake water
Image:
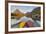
<point>36,23</point>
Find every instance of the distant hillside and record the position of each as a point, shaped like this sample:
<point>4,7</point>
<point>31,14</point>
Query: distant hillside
<point>29,14</point>
<point>36,13</point>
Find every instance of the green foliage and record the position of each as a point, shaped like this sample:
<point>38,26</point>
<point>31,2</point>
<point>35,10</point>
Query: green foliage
<point>36,11</point>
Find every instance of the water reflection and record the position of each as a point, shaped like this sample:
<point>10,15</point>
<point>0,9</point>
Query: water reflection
<point>24,22</point>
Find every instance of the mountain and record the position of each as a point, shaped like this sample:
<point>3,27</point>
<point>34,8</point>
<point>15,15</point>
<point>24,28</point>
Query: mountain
<point>17,13</point>
<point>29,14</point>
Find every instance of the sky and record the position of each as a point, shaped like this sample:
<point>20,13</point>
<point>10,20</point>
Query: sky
<point>23,9</point>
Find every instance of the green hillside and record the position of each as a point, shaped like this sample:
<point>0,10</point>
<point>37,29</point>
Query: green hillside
<point>36,13</point>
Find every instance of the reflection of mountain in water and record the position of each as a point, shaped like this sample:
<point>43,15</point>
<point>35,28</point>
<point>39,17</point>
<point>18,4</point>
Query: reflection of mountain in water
<point>24,18</point>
